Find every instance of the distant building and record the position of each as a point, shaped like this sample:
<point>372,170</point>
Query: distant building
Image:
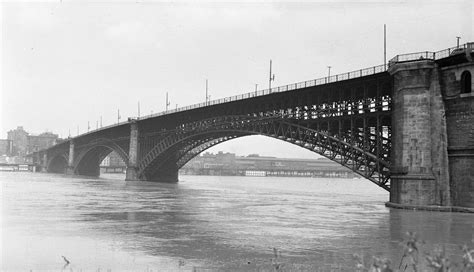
<point>228,164</point>
<point>19,138</point>
<point>113,160</point>
<point>113,163</point>
<point>6,147</point>
<point>22,143</point>
<point>42,141</point>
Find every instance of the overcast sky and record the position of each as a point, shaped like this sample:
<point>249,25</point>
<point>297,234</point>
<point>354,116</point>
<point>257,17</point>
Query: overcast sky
<point>64,63</point>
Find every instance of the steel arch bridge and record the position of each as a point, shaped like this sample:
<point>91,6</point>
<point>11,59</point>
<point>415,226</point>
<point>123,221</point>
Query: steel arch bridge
<point>407,127</point>
<point>347,121</point>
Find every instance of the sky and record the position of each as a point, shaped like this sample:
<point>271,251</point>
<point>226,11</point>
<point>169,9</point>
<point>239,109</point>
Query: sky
<point>67,63</point>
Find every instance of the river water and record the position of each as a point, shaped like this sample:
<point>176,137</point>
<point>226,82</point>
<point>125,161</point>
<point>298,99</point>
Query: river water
<point>208,223</point>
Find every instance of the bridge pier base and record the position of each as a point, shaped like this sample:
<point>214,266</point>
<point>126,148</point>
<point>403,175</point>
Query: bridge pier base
<point>70,170</point>
<point>419,172</point>
<point>131,173</point>
<point>44,163</point>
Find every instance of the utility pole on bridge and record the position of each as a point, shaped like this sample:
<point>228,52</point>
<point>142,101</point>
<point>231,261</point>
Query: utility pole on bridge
<point>271,78</point>
<point>384,46</point>
<point>207,95</point>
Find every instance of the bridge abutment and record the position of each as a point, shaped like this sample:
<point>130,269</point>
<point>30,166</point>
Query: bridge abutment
<point>419,157</point>
<point>459,101</point>
<point>132,169</point>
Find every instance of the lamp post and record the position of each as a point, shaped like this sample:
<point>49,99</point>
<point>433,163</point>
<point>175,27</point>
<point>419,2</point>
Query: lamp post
<point>458,38</point>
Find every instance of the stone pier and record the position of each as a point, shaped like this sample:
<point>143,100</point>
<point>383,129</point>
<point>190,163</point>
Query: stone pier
<point>70,162</point>
<point>420,172</point>
<point>131,172</point>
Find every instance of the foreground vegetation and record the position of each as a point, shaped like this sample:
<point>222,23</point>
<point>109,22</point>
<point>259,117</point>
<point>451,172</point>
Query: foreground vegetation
<point>413,260</point>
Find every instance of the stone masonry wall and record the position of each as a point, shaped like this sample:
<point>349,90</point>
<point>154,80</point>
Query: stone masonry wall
<point>460,124</point>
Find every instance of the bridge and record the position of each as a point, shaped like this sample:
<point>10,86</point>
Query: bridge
<point>408,127</point>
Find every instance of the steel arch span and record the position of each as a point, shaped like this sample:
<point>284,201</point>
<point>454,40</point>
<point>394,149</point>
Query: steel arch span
<point>366,154</point>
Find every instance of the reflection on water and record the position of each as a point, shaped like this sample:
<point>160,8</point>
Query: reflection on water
<point>230,223</point>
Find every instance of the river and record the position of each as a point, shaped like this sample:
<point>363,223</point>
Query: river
<point>208,223</point>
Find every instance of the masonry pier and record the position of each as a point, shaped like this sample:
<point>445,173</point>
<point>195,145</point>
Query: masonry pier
<point>70,162</point>
<point>131,172</point>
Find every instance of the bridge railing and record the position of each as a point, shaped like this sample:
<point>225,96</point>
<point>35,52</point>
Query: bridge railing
<point>427,55</point>
<point>284,88</point>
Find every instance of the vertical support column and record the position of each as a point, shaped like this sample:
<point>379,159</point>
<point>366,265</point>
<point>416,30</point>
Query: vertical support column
<point>132,167</point>
<point>44,167</point>
<point>70,162</point>
<point>418,138</point>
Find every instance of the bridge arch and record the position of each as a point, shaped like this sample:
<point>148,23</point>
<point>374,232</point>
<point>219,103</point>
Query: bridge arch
<point>88,160</point>
<point>359,157</point>
<point>57,164</point>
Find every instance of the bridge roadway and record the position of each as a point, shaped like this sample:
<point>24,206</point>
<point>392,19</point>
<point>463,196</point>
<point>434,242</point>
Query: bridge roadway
<point>407,127</point>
